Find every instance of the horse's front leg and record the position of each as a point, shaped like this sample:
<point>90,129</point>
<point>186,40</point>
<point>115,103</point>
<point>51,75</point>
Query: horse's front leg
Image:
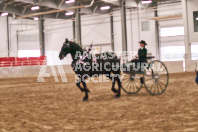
<point>86,91</point>
<point>119,87</point>
<point>78,85</point>
<point>113,83</point>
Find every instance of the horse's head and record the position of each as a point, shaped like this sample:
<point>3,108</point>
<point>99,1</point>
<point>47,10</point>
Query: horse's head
<point>64,50</point>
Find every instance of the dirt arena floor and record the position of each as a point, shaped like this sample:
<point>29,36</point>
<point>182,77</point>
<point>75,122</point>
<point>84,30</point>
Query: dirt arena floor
<point>27,106</point>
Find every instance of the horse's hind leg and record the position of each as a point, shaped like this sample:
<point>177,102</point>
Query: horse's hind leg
<point>113,83</point>
<point>119,87</point>
<point>78,85</point>
<point>86,91</point>
<point>113,87</point>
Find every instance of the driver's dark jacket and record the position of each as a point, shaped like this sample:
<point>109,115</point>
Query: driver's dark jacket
<point>142,54</point>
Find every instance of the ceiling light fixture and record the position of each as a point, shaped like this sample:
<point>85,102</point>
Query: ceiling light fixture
<point>146,1</point>
<point>69,1</point>
<point>36,19</point>
<point>69,13</point>
<point>35,8</point>
<point>4,14</point>
<point>197,18</point>
<point>105,8</point>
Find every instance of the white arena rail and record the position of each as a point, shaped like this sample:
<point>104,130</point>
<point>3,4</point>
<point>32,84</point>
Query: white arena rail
<point>27,69</point>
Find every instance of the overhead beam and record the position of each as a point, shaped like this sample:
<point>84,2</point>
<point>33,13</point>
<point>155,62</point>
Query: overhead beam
<point>57,14</point>
<point>166,17</point>
<point>20,4</point>
<point>55,11</point>
<point>47,3</point>
<point>54,16</point>
<point>116,3</point>
<point>17,11</point>
<point>10,9</point>
<point>50,12</point>
<point>62,1</point>
<point>10,2</point>
<point>24,9</point>
<point>95,9</point>
<point>5,6</point>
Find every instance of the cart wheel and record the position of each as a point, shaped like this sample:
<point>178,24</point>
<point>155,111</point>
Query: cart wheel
<point>132,83</point>
<point>156,77</point>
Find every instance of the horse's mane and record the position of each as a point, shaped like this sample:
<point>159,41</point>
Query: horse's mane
<point>75,46</point>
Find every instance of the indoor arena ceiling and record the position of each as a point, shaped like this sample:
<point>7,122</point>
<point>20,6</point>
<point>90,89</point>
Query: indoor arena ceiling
<point>57,8</point>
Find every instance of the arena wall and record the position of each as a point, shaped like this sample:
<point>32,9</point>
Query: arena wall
<point>33,71</point>
<point>190,65</point>
<point>96,29</point>
<point>174,66</point>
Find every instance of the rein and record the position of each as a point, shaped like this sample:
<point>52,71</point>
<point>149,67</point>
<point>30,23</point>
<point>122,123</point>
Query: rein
<point>82,58</point>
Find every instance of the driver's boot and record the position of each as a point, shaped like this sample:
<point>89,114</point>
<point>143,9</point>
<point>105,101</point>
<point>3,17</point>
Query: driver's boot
<point>142,80</point>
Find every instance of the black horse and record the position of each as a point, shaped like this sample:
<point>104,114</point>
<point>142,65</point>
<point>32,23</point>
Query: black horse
<point>86,65</point>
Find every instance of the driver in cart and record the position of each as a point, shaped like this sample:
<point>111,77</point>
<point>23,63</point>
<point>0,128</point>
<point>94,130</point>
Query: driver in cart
<point>141,58</point>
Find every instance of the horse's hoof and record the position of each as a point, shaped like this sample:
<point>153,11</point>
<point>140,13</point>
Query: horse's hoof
<point>117,96</point>
<point>85,99</point>
<point>115,90</point>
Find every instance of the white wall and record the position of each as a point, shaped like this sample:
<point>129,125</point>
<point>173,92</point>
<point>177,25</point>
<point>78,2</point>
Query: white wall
<point>96,29</point>
<point>28,40</point>
<point>134,32</point>
<point>3,37</point>
<point>14,26</point>
<point>19,25</point>
<point>148,36</point>
<point>117,31</point>
<point>171,9</point>
<point>56,31</point>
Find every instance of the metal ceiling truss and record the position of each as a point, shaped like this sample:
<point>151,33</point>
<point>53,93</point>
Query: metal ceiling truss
<point>56,8</point>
